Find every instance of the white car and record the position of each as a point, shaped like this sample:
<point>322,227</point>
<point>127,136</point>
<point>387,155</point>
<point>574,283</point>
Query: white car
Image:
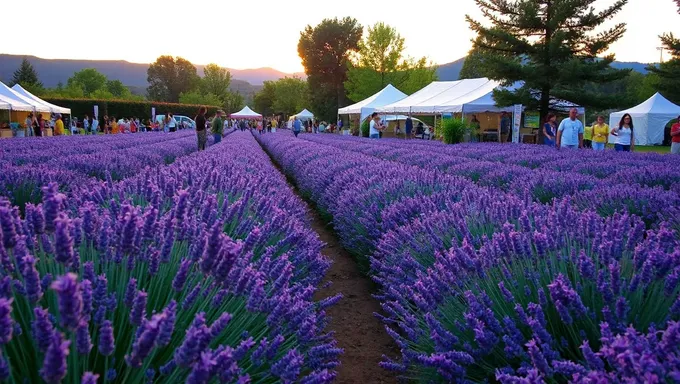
<point>182,121</point>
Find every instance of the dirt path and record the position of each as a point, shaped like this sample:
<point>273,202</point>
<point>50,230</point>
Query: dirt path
<point>358,332</point>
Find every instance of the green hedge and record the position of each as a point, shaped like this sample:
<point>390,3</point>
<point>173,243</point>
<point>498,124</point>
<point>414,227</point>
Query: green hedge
<point>126,108</point>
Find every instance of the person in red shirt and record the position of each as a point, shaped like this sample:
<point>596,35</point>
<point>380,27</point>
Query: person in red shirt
<point>675,138</point>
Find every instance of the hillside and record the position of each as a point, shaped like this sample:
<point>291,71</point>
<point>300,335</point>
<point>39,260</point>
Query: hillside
<point>52,72</point>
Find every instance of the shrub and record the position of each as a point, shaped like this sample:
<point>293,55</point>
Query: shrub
<point>126,108</point>
<point>453,130</point>
<point>365,128</point>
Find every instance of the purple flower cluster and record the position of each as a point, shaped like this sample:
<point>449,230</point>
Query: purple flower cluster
<point>173,275</point>
<point>501,262</point>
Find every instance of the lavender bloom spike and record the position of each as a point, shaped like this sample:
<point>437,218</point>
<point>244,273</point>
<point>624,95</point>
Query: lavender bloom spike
<point>69,299</point>
<point>138,308</point>
<point>5,320</point>
<point>54,365</point>
<point>106,341</point>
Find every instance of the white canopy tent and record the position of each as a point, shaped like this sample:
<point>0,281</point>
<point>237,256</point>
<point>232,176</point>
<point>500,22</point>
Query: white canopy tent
<point>305,115</point>
<point>649,119</point>
<point>4,105</point>
<point>460,96</point>
<point>19,102</point>
<point>246,113</point>
<point>366,107</point>
<point>53,108</point>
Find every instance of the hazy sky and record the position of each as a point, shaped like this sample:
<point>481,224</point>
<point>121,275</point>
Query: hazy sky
<point>257,33</point>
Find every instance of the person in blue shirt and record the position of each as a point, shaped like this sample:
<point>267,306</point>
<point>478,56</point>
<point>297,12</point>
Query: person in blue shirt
<point>409,127</point>
<point>297,126</point>
<point>550,130</point>
<point>570,131</point>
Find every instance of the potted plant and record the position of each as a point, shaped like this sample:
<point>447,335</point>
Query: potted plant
<point>453,130</point>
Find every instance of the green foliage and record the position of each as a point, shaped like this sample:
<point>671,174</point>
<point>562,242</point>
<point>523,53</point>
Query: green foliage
<point>264,99</point>
<point>552,46</point>
<point>291,95</point>
<point>117,89</point>
<point>197,98</point>
<point>365,128</point>
<point>169,77</point>
<point>126,108</point>
<point>380,61</point>
<point>325,51</point>
<point>233,102</point>
<point>26,76</point>
<point>215,81</point>
<point>668,73</point>
<point>88,79</point>
<point>473,67</point>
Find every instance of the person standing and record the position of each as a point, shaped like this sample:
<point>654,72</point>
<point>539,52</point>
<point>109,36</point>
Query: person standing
<point>408,127</point>
<point>172,124</point>
<point>505,128</point>
<point>94,125</point>
<point>217,127</point>
<point>115,129</point>
<point>600,134</point>
<point>675,137</point>
<point>624,140</point>
<point>38,125</point>
<point>58,126</point>
<point>201,133</point>
<point>570,131</point>
<point>29,124</point>
<point>86,125</point>
<point>550,129</point>
<point>588,137</point>
<point>374,127</point>
<point>297,126</point>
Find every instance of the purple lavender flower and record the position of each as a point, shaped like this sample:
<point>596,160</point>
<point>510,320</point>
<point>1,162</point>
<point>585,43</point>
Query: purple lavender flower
<point>63,241</point>
<point>181,276</point>
<point>54,365</point>
<point>167,325</point>
<point>83,343</point>
<point>89,378</point>
<point>42,328</point>
<point>8,233</point>
<point>106,341</point>
<point>4,368</point>
<point>195,341</point>
<point>32,283</point>
<point>69,299</point>
<point>87,294</point>
<point>143,345</point>
<point>154,262</point>
<point>191,297</point>
<point>288,367</point>
<point>219,325</point>
<point>130,292</point>
<point>5,320</point>
<point>201,372</point>
<point>138,311</point>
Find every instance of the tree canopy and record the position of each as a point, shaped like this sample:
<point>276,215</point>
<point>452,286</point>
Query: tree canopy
<point>553,46</point>
<point>89,80</point>
<point>216,81</point>
<point>669,72</point>
<point>325,51</point>
<point>380,61</point>
<point>26,76</point>
<point>288,96</point>
<point>169,77</point>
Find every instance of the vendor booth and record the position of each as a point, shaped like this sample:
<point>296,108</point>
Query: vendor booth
<point>53,108</point>
<point>366,107</point>
<point>649,119</point>
<point>17,108</point>
<point>246,113</point>
<point>304,115</point>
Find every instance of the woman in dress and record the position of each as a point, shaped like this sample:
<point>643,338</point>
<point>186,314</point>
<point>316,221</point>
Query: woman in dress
<point>550,130</point>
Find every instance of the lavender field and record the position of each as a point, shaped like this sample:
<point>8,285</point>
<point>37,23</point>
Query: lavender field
<point>136,259</point>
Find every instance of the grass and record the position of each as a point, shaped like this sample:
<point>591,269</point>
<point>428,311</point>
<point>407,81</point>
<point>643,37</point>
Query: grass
<point>652,148</point>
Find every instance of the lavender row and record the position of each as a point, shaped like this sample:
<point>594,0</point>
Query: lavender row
<point>197,272</point>
<point>85,166</point>
<point>480,285</point>
<point>647,185</point>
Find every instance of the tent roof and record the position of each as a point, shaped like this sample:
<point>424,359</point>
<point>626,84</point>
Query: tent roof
<point>305,114</point>
<point>19,102</point>
<point>655,105</point>
<point>387,95</point>
<point>53,108</point>
<point>245,113</point>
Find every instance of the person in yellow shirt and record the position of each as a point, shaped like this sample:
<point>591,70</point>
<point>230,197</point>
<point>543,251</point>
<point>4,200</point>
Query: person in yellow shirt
<point>114,126</point>
<point>58,126</point>
<point>600,134</point>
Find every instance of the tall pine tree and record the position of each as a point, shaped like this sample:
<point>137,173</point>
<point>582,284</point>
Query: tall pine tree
<point>669,71</point>
<point>550,45</point>
<point>26,76</point>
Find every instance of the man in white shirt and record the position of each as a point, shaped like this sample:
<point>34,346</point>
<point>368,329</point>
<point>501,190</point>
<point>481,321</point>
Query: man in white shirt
<point>570,132</point>
<point>374,127</point>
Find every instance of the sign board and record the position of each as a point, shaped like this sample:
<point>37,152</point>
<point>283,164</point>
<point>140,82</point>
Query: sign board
<point>532,120</point>
<point>447,116</point>
<point>153,113</point>
<point>516,122</point>
<point>96,112</point>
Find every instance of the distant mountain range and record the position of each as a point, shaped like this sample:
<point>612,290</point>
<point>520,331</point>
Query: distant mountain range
<point>451,71</point>
<point>133,75</point>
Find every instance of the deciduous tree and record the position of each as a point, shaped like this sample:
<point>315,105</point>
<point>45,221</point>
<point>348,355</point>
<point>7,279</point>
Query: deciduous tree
<point>168,77</point>
<point>215,81</point>
<point>88,79</point>
<point>325,51</point>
